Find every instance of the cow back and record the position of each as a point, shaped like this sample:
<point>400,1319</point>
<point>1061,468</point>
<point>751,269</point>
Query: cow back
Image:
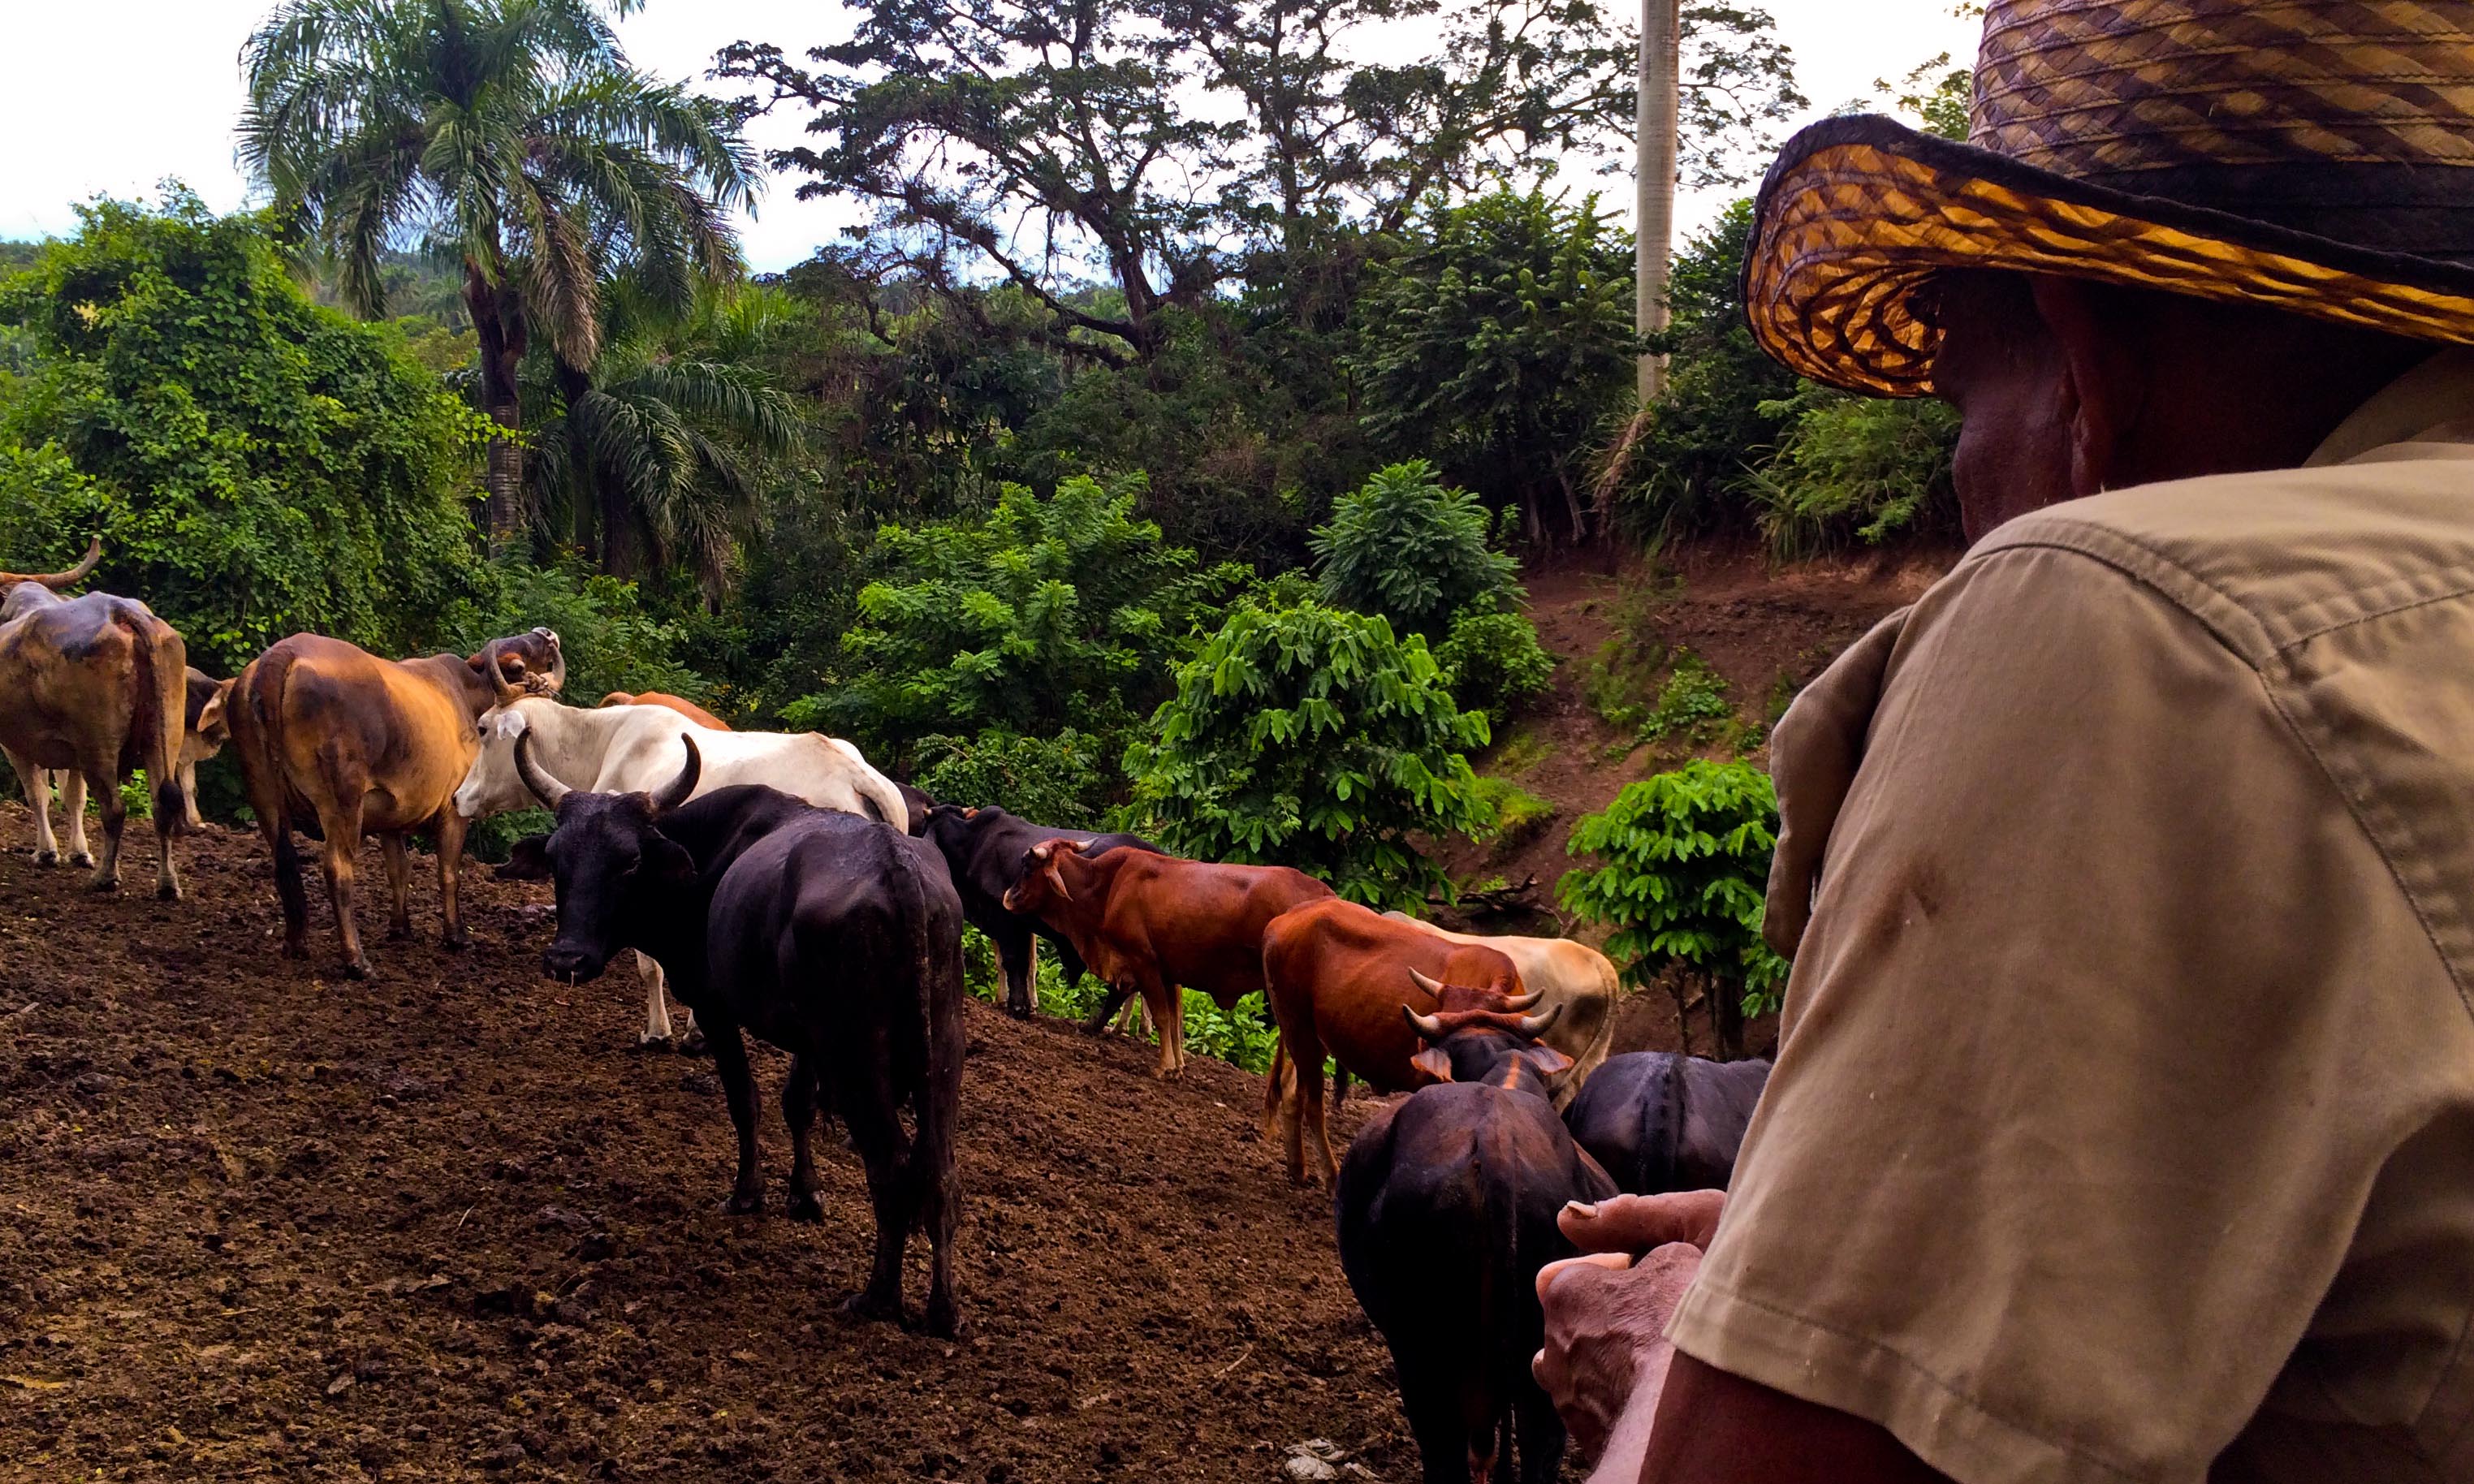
<point>1571,978</point>
<point>337,726</point>
<point>1661,1120</point>
<point>1340,973</point>
<point>1198,923</point>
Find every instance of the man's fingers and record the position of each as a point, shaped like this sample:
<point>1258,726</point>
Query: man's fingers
<point>1636,1223</point>
<point>1613,1261</point>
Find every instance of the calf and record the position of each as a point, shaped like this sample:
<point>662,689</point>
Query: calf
<point>834,938</point>
<point>330,734</point>
<point>1564,974</point>
<point>617,750</point>
<point>208,729</point>
<point>1147,924</point>
<point>1659,1122</point>
<point>988,850</point>
<point>90,686</point>
<point>1447,1211</point>
<point>1337,974</point>
<point>680,704</point>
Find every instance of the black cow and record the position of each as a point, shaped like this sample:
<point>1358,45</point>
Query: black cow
<point>1660,1122</point>
<point>919,805</point>
<point>988,850</point>
<point>832,936</point>
<point>1447,1207</point>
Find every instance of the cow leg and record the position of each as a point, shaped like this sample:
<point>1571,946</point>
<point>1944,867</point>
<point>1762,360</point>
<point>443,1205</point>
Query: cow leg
<point>1275,1089</point>
<point>399,869</point>
<point>1109,1004</point>
<point>36,783</point>
<point>1431,1398</point>
<point>1540,1432</point>
<point>739,1088</point>
<point>167,875</point>
<point>190,796</point>
<point>342,827</point>
<point>799,1113</point>
<point>447,829</point>
<point>657,1005</point>
<point>1018,955</point>
<point>73,808</point>
<point>115,815</point>
<point>864,1097</point>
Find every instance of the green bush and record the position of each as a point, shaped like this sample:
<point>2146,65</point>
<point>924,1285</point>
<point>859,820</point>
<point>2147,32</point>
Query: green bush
<point>1495,663</point>
<point>1408,549</point>
<point>1311,736</point>
<point>1518,813</point>
<point>1062,780</point>
<point>1856,468</point>
<point>613,641</point>
<point>1685,860</point>
<point>1691,706</point>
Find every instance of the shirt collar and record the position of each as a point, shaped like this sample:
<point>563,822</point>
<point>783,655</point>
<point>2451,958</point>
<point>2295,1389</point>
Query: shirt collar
<point>2433,402</point>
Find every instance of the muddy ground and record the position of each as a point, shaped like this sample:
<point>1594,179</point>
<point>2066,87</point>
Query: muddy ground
<point>256,1221</point>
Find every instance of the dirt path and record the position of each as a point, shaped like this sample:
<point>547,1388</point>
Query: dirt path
<point>258,1222</point>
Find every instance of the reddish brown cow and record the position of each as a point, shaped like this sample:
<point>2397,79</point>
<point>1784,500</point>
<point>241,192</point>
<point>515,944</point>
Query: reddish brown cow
<point>1338,975</point>
<point>1147,924</point>
<point>91,687</point>
<point>686,708</point>
<point>329,732</point>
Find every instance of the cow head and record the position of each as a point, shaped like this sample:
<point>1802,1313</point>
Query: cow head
<point>1042,884</point>
<point>521,665</point>
<point>1482,1036</point>
<point>492,784</point>
<point>209,723</point>
<point>608,857</point>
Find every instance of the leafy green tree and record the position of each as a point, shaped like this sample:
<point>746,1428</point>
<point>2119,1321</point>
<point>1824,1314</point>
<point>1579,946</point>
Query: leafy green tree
<point>510,137</point>
<point>1499,339</point>
<point>1063,780</point>
<point>1685,862</point>
<point>254,465</point>
<point>1855,468</point>
<point>1405,546</point>
<point>1495,663</point>
<point>1311,736</point>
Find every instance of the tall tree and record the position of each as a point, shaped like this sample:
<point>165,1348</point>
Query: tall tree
<point>510,137</point>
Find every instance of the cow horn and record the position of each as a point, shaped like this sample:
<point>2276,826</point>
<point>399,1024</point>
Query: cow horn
<point>1534,1025</point>
<point>56,580</point>
<point>1433,987</point>
<point>550,791</point>
<point>1056,879</point>
<point>1519,1002</point>
<point>677,790</point>
<point>1427,1027</point>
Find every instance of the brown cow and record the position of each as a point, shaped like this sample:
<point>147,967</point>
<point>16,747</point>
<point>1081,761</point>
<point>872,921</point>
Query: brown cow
<point>1338,975</point>
<point>686,708</point>
<point>1147,924</point>
<point>206,732</point>
<point>368,746</point>
<point>91,686</point>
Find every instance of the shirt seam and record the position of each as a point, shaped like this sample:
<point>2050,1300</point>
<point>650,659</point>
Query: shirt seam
<point>1947,1388</point>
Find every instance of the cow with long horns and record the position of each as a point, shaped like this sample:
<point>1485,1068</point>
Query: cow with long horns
<point>91,689</point>
<point>1446,1207</point>
<point>329,734</point>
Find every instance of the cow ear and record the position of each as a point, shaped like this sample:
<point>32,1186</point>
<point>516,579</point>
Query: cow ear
<point>667,859</point>
<point>1549,1060</point>
<point>211,716</point>
<point>528,860</point>
<point>1434,1063</point>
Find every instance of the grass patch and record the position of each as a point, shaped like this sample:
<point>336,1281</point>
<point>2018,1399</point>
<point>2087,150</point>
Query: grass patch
<point>1520,752</point>
<point>1519,815</point>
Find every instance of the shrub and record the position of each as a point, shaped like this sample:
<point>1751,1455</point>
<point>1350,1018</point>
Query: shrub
<point>612,639</point>
<point>1062,780</point>
<point>1495,663</point>
<point>1408,549</point>
<point>1856,468</point>
<point>1518,813</point>
<point>1685,868</point>
<point>1311,736</point>
<point>1691,705</point>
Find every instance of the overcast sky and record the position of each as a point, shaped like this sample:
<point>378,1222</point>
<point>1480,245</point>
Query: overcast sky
<point>111,96</point>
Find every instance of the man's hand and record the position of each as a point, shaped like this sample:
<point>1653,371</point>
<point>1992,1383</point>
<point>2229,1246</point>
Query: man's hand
<point>1606,1354</point>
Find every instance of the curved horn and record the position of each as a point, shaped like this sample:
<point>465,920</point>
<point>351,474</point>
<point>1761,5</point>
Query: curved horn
<point>550,791</point>
<point>1427,1027</point>
<point>495,674</point>
<point>56,580</point>
<point>1433,987</point>
<point>1534,1025</point>
<point>1519,1002</point>
<point>677,790</point>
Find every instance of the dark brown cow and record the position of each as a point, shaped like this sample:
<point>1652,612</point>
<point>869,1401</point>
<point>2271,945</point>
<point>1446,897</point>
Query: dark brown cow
<point>1338,975</point>
<point>329,732</point>
<point>684,707</point>
<point>1147,924</point>
<point>90,686</point>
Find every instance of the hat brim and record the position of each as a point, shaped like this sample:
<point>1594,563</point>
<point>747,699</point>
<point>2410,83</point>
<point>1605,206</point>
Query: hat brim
<point>1861,212</point>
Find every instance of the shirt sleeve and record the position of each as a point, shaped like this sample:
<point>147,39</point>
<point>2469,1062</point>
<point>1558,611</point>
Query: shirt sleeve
<point>2076,1104</point>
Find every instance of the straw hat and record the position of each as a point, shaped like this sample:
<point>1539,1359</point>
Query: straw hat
<point>2317,155</point>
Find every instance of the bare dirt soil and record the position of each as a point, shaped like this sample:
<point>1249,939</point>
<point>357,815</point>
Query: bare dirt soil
<point>256,1221</point>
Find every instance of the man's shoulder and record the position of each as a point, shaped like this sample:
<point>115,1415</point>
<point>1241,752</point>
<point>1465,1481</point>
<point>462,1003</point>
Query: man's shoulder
<point>2272,558</point>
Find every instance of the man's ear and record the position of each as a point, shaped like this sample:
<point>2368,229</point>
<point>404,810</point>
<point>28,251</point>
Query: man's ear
<point>2105,381</point>
<point>528,860</point>
<point>1434,1063</point>
<point>667,859</point>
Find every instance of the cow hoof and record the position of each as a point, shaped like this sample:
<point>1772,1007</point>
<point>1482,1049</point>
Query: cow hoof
<point>83,861</point>
<point>295,950</point>
<point>456,942</point>
<point>356,970</point>
<point>47,857</point>
<point>397,934</point>
<point>944,1320</point>
<point>749,1204</point>
<point>806,1209</point>
<point>104,884</point>
<point>166,892</point>
<point>873,1309</point>
<point>652,1043</point>
<point>693,1044</point>
<point>1018,1012</point>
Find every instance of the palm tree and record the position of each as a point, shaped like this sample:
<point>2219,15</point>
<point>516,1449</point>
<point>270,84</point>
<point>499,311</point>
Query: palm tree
<point>1656,119</point>
<point>510,137</point>
<point>661,443</point>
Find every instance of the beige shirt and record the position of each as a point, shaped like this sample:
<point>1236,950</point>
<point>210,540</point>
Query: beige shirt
<point>2124,1120</point>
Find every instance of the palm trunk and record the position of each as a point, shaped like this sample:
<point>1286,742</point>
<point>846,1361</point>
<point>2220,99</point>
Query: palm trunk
<point>1655,120</point>
<point>582,483</point>
<point>499,325</point>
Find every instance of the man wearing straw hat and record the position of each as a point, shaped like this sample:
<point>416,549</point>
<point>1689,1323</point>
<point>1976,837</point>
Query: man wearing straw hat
<point>2122,1127</point>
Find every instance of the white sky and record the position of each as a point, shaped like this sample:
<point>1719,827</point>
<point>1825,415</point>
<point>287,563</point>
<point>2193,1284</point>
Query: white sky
<point>113,96</point>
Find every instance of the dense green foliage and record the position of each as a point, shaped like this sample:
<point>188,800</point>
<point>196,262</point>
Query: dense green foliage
<point>1495,663</point>
<point>1062,780</point>
<point>1312,737</point>
<point>1685,860</point>
<point>1855,469</point>
<point>1417,553</point>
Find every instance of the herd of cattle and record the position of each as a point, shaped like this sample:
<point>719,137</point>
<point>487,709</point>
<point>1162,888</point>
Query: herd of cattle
<point>777,884</point>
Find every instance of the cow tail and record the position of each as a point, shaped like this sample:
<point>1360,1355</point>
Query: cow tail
<point>940,1009</point>
<point>255,711</point>
<point>161,718</point>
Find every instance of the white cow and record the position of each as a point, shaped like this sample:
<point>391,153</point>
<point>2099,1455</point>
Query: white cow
<point>1573,975</point>
<point>625,749</point>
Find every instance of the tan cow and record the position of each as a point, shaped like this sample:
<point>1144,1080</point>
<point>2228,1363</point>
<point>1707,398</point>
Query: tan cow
<point>678,703</point>
<point>90,686</point>
<point>1560,972</point>
<point>330,733</point>
<point>206,734</point>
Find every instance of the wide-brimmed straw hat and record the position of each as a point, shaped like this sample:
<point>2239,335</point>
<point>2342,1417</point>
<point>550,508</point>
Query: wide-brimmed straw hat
<point>2315,156</point>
